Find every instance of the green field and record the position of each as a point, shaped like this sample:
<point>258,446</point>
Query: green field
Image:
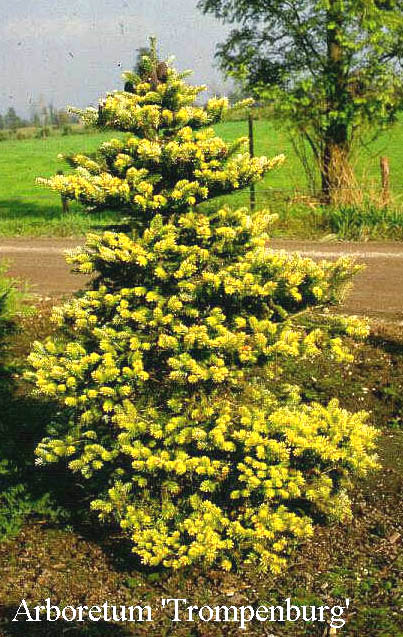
<point>290,178</point>
<point>29,209</point>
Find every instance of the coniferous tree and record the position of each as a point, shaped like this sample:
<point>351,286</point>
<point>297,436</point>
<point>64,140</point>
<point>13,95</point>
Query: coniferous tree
<point>170,367</point>
<point>170,160</point>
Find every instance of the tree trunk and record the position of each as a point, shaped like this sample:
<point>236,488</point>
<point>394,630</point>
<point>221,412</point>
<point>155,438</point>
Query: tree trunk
<point>335,170</point>
<point>335,143</point>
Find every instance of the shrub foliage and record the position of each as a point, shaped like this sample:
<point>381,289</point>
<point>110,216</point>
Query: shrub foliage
<point>170,366</point>
<point>169,161</point>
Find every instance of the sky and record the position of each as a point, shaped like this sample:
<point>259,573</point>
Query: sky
<point>71,52</point>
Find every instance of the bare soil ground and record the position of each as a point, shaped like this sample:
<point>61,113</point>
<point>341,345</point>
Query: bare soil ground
<point>77,561</point>
<point>377,292</point>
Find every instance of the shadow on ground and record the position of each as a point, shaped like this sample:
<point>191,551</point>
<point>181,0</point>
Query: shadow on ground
<point>60,628</point>
<point>19,217</point>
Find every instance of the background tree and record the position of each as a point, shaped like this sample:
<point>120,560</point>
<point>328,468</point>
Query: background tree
<point>332,67</point>
<point>11,119</point>
<point>52,115</point>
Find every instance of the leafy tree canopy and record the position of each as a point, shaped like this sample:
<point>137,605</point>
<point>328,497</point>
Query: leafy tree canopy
<point>331,66</point>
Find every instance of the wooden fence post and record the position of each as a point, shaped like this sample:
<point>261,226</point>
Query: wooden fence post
<point>252,154</point>
<point>65,205</point>
<point>385,176</point>
<point>65,201</point>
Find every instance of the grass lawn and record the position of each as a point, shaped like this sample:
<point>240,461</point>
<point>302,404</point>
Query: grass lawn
<point>29,209</point>
<point>271,140</point>
<point>284,190</point>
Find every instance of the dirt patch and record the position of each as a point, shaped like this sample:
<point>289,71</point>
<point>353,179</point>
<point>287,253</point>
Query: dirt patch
<point>84,563</point>
<point>377,292</point>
